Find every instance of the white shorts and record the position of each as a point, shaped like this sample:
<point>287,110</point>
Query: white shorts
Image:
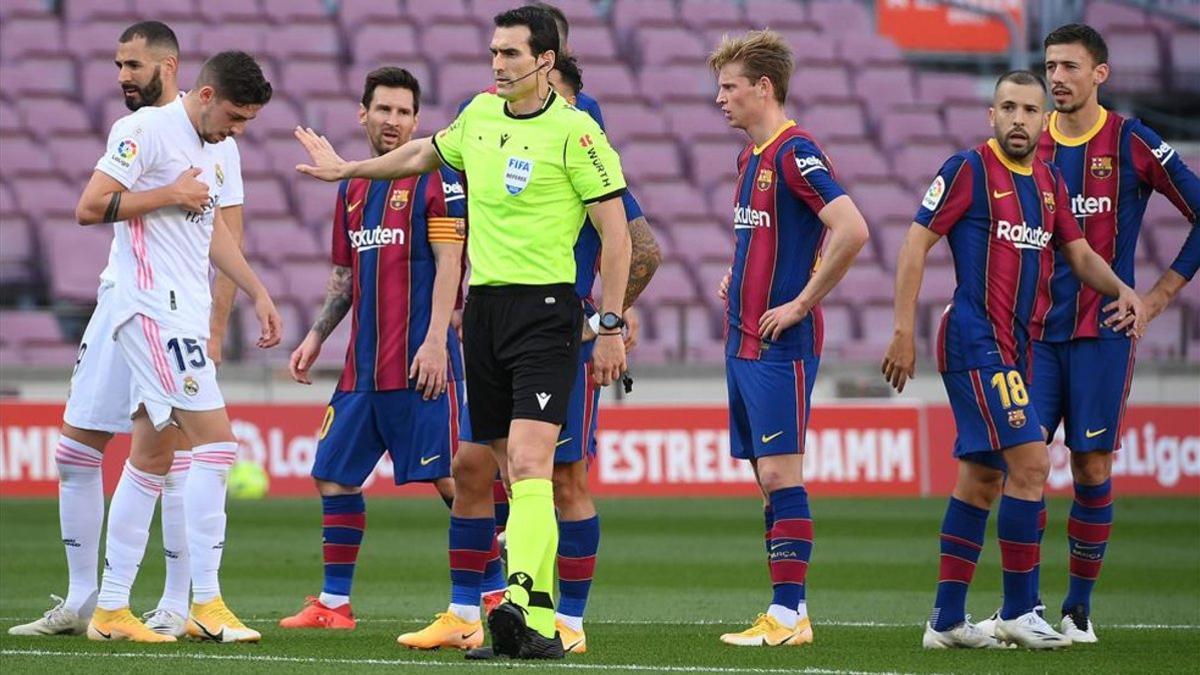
<point>98,399</point>
<point>169,370</point>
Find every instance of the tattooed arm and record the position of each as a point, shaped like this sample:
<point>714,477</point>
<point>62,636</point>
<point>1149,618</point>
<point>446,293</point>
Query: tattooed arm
<point>338,299</point>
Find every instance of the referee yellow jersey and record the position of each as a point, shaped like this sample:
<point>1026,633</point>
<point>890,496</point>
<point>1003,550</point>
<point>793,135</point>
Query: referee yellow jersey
<point>529,181</point>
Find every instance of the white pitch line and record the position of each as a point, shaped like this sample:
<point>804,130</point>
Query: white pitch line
<point>440,664</point>
<point>717,622</point>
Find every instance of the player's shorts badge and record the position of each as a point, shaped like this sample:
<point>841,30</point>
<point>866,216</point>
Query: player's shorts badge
<point>1102,167</point>
<point>1048,198</point>
<point>764,179</point>
<point>399,199</point>
<point>516,176</point>
<point>190,386</point>
<point>220,175</point>
<point>1016,418</point>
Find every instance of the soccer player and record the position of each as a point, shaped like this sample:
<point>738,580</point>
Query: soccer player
<point>161,321</point>
<point>476,571</point>
<point>147,58</point>
<point>1004,211</point>
<point>536,167</point>
<point>787,200</point>
<point>397,252</point>
<point>1111,166</point>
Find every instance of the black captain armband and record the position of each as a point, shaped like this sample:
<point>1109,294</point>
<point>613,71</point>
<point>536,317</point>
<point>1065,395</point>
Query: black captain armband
<point>114,205</point>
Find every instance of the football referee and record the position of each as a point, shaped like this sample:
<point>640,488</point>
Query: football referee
<point>535,167</point>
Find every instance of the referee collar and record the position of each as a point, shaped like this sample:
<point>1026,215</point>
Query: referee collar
<point>545,106</point>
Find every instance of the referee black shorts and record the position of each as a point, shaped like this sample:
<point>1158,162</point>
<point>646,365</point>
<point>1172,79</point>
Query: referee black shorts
<point>521,348</point>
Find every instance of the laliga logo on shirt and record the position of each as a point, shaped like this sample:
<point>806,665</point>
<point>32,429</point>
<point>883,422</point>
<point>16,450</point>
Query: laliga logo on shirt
<point>1023,236</point>
<point>365,240</point>
<point>745,217</point>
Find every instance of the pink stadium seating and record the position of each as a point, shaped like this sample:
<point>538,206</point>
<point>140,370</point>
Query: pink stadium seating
<point>629,15</point>
<point>21,37</point>
<point>385,42</point>
<point>17,250</point>
<point>82,11</point>
<point>840,16</point>
<point>664,45</point>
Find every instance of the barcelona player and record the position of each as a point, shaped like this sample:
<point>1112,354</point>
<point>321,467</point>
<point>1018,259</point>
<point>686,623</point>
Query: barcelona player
<point>1004,212</point>
<point>788,202</point>
<point>397,251</point>
<point>1112,166</point>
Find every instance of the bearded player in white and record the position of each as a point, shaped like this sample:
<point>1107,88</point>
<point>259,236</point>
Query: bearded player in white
<point>147,60</point>
<point>162,308</point>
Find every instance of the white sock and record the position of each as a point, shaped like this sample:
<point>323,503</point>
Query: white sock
<point>465,612</point>
<point>333,601</point>
<point>575,623</point>
<point>174,534</point>
<point>783,615</point>
<point>129,517</point>
<point>802,610</point>
<point>204,499</point>
<point>80,516</point>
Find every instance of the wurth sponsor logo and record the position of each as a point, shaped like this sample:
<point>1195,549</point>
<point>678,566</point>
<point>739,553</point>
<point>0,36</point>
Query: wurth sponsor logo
<point>745,217</point>
<point>1083,207</point>
<point>1022,236</point>
<point>365,240</point>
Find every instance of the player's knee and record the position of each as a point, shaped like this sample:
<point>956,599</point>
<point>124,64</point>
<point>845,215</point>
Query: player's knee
<point>1030,472</point>
<point>526,465</point>
<point>570,485</point>
<point>1091,468</point>
<point>328,488</point>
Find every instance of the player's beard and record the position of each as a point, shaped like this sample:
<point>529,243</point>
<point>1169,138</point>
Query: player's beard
<point>147,95</point>
<point>1068,108</point>
<point>1006,145</point>
<point>382,146</point>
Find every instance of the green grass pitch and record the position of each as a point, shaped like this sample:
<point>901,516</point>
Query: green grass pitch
<point>672,575</point>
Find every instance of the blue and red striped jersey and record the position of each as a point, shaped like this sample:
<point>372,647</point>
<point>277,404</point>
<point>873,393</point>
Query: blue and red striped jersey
<point>384,232</point>
<point>782,186</point>
<point>1003,222</point>
<point>1111,172</point>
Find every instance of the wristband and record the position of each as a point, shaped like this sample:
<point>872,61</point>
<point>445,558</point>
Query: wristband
<point>594,323</point>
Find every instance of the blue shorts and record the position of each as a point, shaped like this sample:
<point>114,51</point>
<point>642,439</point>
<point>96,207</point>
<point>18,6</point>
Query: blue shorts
<point>992,412</point>
<point>359,426</point>
<point>768,405</point>
<point>577,440</point>
<point>1084,384</point>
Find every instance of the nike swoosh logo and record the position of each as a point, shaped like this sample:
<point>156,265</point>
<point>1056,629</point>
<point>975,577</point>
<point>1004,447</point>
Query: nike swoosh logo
<point>106,636</point>
<point>219,636</point>
<point>1092,434</point>
<point>562,442</point>
<point>467,636</point>
<point>1000,195</point>
<point>350,207</point>
<point>775,546</point>
<point>767,439</point>
<point>573,645</point>
<point>426,460</point>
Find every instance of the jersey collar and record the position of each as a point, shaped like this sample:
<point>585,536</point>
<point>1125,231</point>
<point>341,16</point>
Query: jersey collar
<point>545,106</point>
<point>1073,141</point>
<point>1007,161</point>
<point>786,125</point>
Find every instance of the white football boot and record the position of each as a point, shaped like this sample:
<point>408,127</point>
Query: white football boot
<point>965,635</point>
<point>166,622</point>
<point>58,620</point>
<point>1077,625</point>
<point>1030,631</point>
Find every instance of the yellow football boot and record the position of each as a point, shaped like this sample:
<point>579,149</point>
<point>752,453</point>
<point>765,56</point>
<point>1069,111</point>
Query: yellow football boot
<point>215,622</point>
<point>447,630</point>
<point>573,641</point>
<point>121,624</point>
<point>767,632</point>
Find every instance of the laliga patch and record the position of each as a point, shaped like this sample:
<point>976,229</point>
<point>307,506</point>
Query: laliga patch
<point>399,199</point>
<point>516,176</point>
<point>933,196</point>
<point>126,152</point>
<point>190,386</point>
<point>1102,167</point>
<point>764,179</point>
<point>1016,418</point>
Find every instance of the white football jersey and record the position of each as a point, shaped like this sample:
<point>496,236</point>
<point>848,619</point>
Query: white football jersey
<point>159,262</point>
<point>228,174</point>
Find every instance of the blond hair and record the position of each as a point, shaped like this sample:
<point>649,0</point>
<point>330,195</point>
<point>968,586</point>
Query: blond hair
<point>761,53</point>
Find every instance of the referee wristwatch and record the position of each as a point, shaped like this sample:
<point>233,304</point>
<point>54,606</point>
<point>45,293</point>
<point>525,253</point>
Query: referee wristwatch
<point>611,321</point>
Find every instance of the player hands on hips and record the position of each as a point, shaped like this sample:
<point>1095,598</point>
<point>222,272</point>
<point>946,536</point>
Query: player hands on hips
<point>397,251</point>
<point>164,245</point>
<point>787,201</point>
<point>1004,212</point>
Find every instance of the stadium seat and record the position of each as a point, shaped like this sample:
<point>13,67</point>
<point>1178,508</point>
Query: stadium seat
<point>678,83</point>
<point>863,283</point>
<point>937,88</point>
<point>832,119</point>
<point>55,116</point>
<point>169,11</point>
<point>1103,15</point>
<point>283,240</point>
<point>651,160</point>
<point>967,123</point>
<point>859,49</point>
<point>718,15</point>
<point>610,82</point>
<point>74,258</point>
<point>455,41</point>
<point>854,161</point>
<point>1141,58</point>
<point>41,76</point>
<point>596,41</point>
<point>672,285</point>
<point>226,12</point>
<point>285,12</point>
<point>378,43</point>
<point>75,155</point>
<point>265,198</point>
<point>629,15</point>
<point>663,45</point>
<point>899,126</point>
<point>693,121</point>
<point>17,250</point>
<point>25,156</point>
<point>1184,50</point>
<point>714,164</point>
<point>778,14</point>
<point>13,9</point>
<point>427,11</point>
<point>1164,336</point>
<point>812,46</point>
<point>246,35</point>
<point>678,198</point>
<point>840,16</point>
<point>355,15</point>
<point>295,327</point>
<point>820,81</point>
<point>40,196</point>
<point>315,202</point>
<point>704,240</point>
<point>306,281</point>
<point>311,78</point>
<point>624,119</point>
<point>27,36</point>
<point>881,201</point>
<point>460,81</point>
<point>919,160</point>
<point>305,40</point>
<point>885,87</point>
<point>11,121</point>
<point>83,11</point>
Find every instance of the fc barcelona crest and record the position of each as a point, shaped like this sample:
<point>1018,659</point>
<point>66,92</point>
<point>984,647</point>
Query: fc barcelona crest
<point>764,179</point>
<point>1016,418</point>
<point>1102,167</point>
<point>1048,198</point>
<point>399,199</point>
